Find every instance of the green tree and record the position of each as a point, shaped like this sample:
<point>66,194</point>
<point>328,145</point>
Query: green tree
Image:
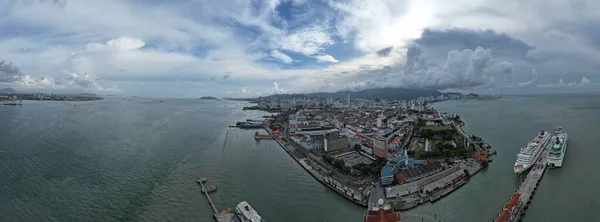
<point>357,147</point>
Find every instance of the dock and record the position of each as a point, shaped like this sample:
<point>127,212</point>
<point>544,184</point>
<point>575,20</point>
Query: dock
<point>258,136</point>
<point>227,215</point>
<point>204,189</point>
<point>525,192</point>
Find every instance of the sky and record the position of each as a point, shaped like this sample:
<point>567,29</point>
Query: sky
<point>250,48</point>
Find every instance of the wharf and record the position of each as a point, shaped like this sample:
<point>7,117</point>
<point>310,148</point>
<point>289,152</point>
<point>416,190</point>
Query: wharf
<point>204,189</point>
<point>529,185</point>
<point>259,136</point>
<point>329,182</point>
<point>227,215</point>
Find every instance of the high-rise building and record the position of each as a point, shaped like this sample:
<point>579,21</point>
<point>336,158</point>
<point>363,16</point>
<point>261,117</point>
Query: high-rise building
<point>380,147</point>
<point>347,98</point>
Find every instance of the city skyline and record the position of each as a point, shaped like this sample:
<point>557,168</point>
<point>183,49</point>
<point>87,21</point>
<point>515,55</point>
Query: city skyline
<point>250,49</point>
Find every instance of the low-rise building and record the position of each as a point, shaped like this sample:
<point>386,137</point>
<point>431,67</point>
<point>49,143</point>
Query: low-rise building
<point>334,142</point>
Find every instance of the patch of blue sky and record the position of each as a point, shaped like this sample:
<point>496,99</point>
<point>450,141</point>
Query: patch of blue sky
<point>309,13</point>
<point>342,50</point>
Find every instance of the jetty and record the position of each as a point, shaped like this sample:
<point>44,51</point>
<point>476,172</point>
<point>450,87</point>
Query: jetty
<point>227,215</point>
<point>515,209</point>
<point>352,195</point>
<point>258,136</point>
<point>204,190</point>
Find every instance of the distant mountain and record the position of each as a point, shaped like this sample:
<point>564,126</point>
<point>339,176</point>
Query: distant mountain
<point>209,98</point>
<point>382,93</point>
<point>8,90</point>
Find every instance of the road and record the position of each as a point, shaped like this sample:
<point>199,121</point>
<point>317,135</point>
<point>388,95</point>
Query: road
<point>377,192</point>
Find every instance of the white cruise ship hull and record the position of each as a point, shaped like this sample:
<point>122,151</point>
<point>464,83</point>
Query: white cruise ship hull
<point>520,168</point>
<point>556,162</point>
<point>526,159</point>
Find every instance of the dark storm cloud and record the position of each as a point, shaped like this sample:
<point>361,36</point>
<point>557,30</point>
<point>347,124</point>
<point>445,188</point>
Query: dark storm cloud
<point>385,52</point>
<point>461,69</point>
<point>502,44</point>
<point>9,72</point>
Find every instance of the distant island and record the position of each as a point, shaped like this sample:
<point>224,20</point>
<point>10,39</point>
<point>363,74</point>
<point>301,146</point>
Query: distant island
<point>209,98</point>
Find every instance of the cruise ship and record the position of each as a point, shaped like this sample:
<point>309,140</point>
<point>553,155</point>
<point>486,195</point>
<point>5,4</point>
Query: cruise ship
<point>246,213</point>
<point>558,149</point>
<point>532,152</point>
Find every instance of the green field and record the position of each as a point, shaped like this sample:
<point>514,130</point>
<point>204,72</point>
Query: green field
<point>436,128</point>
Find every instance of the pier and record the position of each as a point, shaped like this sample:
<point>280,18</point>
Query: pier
<point>259,136</point>
<point>204,189</point>
<point>354,196</point>
<point>227,215</point>
<point>515,212</point>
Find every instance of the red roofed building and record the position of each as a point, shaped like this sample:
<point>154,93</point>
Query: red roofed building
<point>383,213</point>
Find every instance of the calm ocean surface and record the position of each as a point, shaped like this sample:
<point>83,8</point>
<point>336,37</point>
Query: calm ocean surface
<point>137,160</point>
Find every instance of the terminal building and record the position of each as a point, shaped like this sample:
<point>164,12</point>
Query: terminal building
<point>402,162</point>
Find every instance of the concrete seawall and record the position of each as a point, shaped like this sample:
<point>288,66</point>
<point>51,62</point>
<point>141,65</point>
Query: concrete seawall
<point>315,174</point>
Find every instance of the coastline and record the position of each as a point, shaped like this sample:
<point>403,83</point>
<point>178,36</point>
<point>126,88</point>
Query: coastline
<point>322,179</point>
<point>470,165</point>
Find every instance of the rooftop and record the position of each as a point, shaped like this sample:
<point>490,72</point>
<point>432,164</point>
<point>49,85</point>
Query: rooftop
<point>385,214</point>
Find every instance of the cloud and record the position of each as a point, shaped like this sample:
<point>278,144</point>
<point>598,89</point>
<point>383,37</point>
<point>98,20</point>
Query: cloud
<point>561,83</point>
<point>281,56</point>
<point>39,83</point>
<point>366,44</point>
<point>534,76</point>
<point>9,72</point>
<point>585,80</point>
<point>456,38</point>
<point>462,70</point>
<point>385,52</point>
<point>326,58</point>
<point>277,89</point>
<point>123,43</point>
<point>308,41</point>
<point>244,90</point>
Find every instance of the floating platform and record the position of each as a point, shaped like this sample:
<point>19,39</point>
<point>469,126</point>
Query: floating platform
<point>228,215</point>
<point>209,188</point>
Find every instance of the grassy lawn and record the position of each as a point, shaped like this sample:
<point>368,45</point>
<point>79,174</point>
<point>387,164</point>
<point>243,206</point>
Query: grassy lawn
<point>436,128</point>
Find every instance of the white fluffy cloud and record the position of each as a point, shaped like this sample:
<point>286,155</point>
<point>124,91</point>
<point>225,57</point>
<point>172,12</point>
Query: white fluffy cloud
<point>281,56</point>
<point>123,43</point>
<point>326,58</point>
<point>308,41</point>
<point>585,80</point>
